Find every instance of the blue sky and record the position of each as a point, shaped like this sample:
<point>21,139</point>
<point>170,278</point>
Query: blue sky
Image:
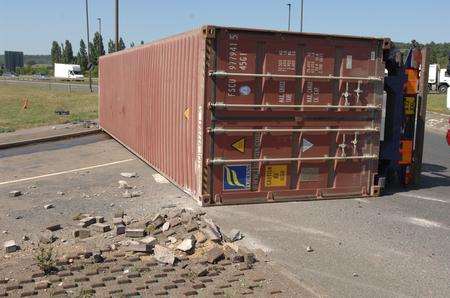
<point>31,25</point>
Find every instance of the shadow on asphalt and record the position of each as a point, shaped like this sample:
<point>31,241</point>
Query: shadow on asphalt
<point>433,175</point>
<point>54,145</point>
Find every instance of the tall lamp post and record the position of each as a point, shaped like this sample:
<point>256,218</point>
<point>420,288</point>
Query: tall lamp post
<point>289,16</point>
<point>117,25</point>
<point>88,48</point>
<point>99,25</point>
<point>301,16</point>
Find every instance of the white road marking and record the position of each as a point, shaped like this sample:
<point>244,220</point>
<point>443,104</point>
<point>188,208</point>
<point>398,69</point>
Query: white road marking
<point>425,223</point>
<point>423,198</point>
<point>67,172</point>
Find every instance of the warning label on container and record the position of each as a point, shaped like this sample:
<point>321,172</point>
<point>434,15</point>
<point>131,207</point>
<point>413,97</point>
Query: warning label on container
<point>306,145</point>
<point>275,175</point>
<point>239,145</point>
<point>409,105</point>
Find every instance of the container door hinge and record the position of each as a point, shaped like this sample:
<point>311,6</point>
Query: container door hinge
<point>209,32</point>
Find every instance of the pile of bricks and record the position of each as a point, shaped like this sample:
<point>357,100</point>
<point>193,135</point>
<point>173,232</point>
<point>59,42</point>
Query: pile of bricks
<point>177,253</point>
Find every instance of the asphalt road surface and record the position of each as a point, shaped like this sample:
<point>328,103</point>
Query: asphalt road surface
<point>393,246</point>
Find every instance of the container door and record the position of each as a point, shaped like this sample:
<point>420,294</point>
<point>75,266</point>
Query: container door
<point>293,116</point>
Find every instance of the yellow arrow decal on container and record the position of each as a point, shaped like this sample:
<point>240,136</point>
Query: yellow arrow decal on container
<point>239,145</point>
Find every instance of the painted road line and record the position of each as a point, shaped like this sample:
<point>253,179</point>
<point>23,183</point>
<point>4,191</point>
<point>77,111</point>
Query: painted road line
<point>67,172</point>
<point>424,198</point>
<point>422,222</point>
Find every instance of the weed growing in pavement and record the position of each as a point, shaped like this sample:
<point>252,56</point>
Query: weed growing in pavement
<point>45,260</point>
<point>86,293</point>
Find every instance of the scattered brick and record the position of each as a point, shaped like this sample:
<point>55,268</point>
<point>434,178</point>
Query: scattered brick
<point>135,233</point>
<point>101,227</point>
<point>214,255</point>
<point>82,233</point>
<point>11,246</point>
<point>54,227</point>
<point>15,193</point>
<point>87,221</point>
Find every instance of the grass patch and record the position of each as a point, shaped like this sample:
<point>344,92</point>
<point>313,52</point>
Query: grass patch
<point>42,104</point>
<point>437,103</point>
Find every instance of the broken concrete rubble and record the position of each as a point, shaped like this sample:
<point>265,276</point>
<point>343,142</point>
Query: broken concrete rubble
<point>128,174</point>
<point>124,185</point>
<point>186,245</point>
<point>164,254</point>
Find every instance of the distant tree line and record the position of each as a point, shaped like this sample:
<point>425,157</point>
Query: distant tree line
<point>63,53</point>
<point>439,51</point>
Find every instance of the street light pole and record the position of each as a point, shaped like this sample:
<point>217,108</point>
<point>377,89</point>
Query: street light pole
<point>117,25</point>
<point>99,25</point>
<point>289,17</point>
<point>88,48</point>
<point>301,16</point>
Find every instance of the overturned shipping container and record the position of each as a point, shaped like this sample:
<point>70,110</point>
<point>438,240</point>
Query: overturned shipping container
<point>236,115</point>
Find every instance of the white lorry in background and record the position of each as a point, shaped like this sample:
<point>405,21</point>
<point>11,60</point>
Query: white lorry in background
<point>438,79</point>
<point>68,72</point>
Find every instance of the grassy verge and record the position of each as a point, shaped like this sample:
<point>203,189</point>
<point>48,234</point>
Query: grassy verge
<point>437,103</point>
<point>41,107</point>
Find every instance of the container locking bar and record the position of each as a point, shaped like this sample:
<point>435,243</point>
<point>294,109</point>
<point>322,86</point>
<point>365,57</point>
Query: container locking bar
<point>288,159</point>
<point>270,75</point>
<point>278,106</point>
<point>268,129</point>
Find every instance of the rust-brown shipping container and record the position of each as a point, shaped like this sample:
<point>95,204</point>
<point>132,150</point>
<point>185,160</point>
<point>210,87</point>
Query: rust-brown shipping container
<point>234,115</point>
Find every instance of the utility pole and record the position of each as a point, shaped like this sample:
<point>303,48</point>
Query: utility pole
<point>117,25</point>
<point>88,48</point>
<point>289,17</point>
<point>99,25</point>
<point>301,16</point>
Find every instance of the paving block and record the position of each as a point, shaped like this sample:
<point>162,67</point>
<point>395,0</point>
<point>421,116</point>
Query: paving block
<point>82,233</point>
<point>135,233</point>
<point>87,221</point>
<point>11,246</point>
<point>101,227</point>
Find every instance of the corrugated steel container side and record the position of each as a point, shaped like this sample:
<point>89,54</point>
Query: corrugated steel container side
<point>236,115</point>
<point>150,98</point>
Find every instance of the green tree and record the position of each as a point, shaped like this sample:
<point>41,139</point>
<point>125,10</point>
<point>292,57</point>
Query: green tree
<point>82,56</point>
<point>31,62</point>
<point>142,42</point>
<point>56,52</point>
<point>99,49</point>
<point>132,44</point>
<point>67,54</point>
<point>111,46</point>
<point>121,44</point>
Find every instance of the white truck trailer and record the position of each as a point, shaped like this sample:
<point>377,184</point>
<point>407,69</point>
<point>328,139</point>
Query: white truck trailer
<point>68,72</point>
<point>438,79</point>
